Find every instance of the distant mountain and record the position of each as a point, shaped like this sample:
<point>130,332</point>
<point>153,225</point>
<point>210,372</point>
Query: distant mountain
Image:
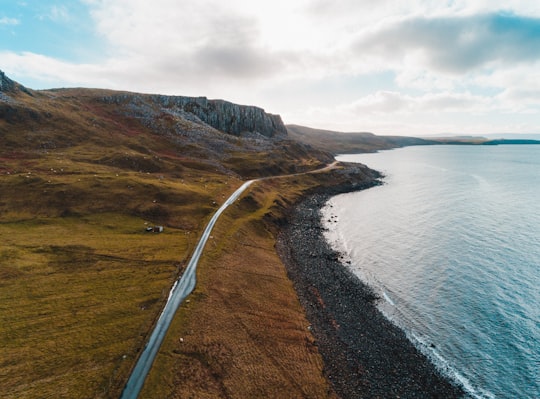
<point>341,143</point>
<point>511,141</point>
<point>489,136</point>
<point>347,143</point>
<point>488,140</point>
<point>513,136</point>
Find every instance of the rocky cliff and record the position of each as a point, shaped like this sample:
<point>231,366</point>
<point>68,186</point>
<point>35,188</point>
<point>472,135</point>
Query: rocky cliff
<point>9,86</point>
<point>6,84</point>
<point>222,115</point>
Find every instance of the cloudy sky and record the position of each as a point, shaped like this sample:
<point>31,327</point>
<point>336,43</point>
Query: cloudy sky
<point>414,67</point>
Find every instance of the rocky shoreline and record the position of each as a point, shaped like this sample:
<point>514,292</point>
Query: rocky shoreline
<point>365,355</point>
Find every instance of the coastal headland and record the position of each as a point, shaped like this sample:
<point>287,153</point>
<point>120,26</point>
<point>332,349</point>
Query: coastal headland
<point>276,314</point>
<point>243,332</point>
<point>86,172</point>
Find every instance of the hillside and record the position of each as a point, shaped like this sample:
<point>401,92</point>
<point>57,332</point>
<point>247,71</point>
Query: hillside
<point>73,143</point>
<point>86,175</point>
<point>166,130</point>
<point>83,174</point>
<point>348,143</point>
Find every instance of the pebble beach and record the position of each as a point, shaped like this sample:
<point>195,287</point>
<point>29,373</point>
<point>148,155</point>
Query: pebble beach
<point>365,355</point>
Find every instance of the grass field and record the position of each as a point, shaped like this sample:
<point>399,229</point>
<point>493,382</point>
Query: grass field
<point>243,333</point>
<point>82,282</point>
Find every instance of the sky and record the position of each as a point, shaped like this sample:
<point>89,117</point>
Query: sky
<point>414,67</point>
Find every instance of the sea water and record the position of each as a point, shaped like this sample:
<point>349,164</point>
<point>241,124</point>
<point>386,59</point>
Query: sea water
<point>451,244</point>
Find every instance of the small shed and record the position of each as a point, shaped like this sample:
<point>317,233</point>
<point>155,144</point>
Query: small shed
<point>154,229</point>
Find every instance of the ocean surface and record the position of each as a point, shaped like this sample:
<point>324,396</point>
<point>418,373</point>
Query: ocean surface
<point>451,243</point>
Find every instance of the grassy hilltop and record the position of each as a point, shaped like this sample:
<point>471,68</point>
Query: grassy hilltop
<point>83,172</point>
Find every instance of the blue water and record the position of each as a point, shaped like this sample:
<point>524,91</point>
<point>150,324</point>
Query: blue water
<point>451,242</point>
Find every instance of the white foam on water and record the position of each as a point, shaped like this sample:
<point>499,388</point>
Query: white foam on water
<point>388,299</point>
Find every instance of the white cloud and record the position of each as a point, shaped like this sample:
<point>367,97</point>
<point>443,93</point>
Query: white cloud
<point>59,13</point>
<point>196,44</point>
<point>89,75</point>
<point>393,112</point>
<point>55,13</point>
<point>9,21</point>
<point>514,76</point>
<point>389,103</point>
<point>455,45</point>
<point>381,102</point>
<point>254,41</point>
<point>448,60</point>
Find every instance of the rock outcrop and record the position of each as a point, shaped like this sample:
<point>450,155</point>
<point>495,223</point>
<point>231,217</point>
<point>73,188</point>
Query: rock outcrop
<point>6,84</point>
<point>221,115</point>
<point>227,117</point>
<point>9,87</point>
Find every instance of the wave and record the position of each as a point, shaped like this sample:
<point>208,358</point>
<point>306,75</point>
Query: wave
<point>450,245</point>
<point>444,366</point>
<point>388,299</point>
<point>396,316</point>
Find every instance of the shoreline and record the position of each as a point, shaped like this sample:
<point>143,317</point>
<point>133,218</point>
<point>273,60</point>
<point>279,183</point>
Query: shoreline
<point>364,354</point>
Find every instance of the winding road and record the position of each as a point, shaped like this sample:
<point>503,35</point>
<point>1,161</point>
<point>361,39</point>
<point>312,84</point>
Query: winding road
<point>180,290</point>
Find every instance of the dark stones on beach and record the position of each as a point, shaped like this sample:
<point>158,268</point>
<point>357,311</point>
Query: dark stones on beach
<point>365,355</point>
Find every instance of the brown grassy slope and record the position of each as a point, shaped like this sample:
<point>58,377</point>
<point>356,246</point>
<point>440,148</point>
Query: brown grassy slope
<point>347,143</point>
<point>80,281</point>
<point>243,333</point>
<point>77,300</point>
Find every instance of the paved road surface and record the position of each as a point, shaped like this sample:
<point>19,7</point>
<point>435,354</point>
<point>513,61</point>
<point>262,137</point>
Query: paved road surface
<point>180,290</point>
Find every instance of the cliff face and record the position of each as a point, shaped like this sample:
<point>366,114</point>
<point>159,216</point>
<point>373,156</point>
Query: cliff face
<point>7,89</point>
<point>10,88</point>
<point>222,115</point>
<point>6,84</point>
